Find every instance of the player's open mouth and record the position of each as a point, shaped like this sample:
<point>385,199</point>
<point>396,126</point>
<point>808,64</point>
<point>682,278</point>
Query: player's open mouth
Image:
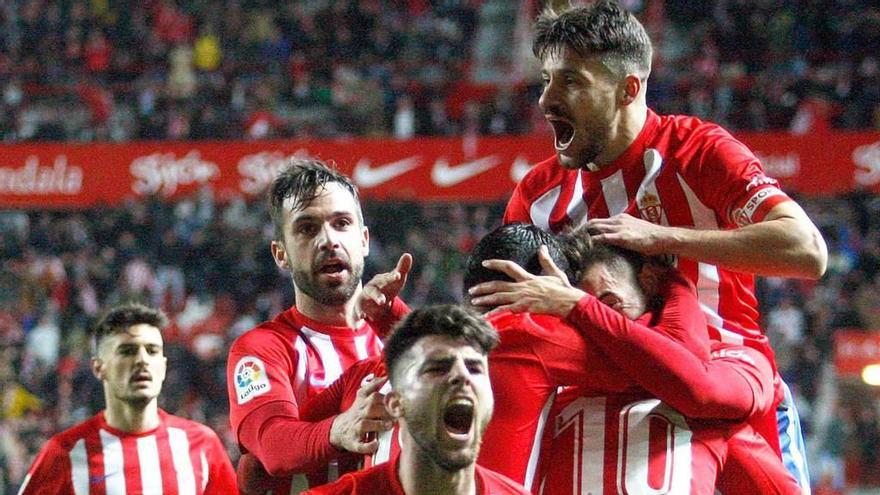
<point>332,267</point>
<point>458,417</point>
<point>563,133</point>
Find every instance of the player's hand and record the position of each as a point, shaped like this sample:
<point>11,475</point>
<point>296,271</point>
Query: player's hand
<point>374,301</point>
<point>353,429</point>
<point>550,293</point>
<point>252,476</point>
<point>629,232</point>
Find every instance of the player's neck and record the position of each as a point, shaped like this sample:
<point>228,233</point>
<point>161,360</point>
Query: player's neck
<point>420,475</point>
<point>343,315</point>
<point>132,418</point>
<point>624,133</point>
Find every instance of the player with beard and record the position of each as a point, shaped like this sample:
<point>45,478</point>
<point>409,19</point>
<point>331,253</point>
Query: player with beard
<point>442,400</point>
<point>131,446</point>
<point>661,184</point>
<point>320,237</point>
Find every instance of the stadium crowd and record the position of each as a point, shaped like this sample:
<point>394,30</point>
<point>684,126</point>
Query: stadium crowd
<point>178,70</point>
<point>163,69</point>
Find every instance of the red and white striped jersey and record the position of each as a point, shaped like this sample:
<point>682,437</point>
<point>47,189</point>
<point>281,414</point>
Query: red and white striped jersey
<point>681,172</point>
<point>180,457</point>
<point>284,362</point>
<point>340,396</point>
<point>628,444</point>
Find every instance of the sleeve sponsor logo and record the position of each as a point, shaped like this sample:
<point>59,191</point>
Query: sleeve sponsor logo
<point>251,379</point>
<point>760,180</point>
<point>743,216</point>
<point>734,354</point>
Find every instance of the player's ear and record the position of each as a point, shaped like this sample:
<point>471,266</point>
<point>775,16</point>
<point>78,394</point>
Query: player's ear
<point>394,404</point>
<point>279,255</point>
<point>97,366</point>
<point>365,239</point>
<point>631,86</point>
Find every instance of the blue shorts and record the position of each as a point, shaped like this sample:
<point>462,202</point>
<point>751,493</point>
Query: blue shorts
<point>791,440</point>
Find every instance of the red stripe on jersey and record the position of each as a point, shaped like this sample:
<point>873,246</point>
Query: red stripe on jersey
<point>131,465</point>
<point>658,452</point>
<point>95,451</point>
<point>166,461</point>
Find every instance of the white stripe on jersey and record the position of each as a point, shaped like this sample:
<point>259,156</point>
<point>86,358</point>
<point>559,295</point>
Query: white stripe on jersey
<point>204,460</point>
<point>542,207</point>
<point>653,164</point>
<point>535,454</point>
<point>186,479</point>
<point>79,467</point>
<point>577,209</point>
<point>300,386</point>
<point>360,345</point>
<point>614,191</point>
<point>328,355</point>
<point>114,468</point>
<point>151,470</point>
<point>24,484</point>
<point>708,278</point>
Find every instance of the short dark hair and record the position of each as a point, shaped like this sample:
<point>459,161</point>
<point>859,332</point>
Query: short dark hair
<point>303,179</point>
<point>605,29</point>
<point>446,320</point>
<point>517,242</point>
<point>122,317</point>
<point>583,253</point>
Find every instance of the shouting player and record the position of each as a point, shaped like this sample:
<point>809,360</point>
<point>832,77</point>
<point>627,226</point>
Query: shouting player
<point>661,184</point>
<point>321,239</point>
<point>131,446</point>
<point>442,399</point>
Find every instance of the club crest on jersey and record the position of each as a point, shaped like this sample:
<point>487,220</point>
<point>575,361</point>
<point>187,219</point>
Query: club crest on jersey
<point>251,379</point>
<point>650,209</point>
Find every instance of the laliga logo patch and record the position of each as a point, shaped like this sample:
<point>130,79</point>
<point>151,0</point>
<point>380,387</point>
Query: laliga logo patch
<point>250,378</point>
<point>650,209</point>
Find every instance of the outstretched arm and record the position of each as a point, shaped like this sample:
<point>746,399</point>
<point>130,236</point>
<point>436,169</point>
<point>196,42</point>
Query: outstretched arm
<point>786,243</point>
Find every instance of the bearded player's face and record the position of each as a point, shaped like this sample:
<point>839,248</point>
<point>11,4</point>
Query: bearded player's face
<point>444,401</point>
<point>579,103</point>
<point>325,244</point>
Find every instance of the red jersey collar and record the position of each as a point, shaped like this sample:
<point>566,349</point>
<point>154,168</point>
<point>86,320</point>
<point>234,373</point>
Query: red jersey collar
<point>393,467</point>
<point>102,422</point>
<point>300,320</point>
<point>634,152</point>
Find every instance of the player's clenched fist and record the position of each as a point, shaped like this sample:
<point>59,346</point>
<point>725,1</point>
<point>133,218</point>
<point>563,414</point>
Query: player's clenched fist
<point>353,430</point>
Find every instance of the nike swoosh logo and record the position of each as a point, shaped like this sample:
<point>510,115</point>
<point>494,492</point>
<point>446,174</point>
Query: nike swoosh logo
<point>94,480</point>
<point>520,168</point>
<point>445,176</point>
<point>366,176</point>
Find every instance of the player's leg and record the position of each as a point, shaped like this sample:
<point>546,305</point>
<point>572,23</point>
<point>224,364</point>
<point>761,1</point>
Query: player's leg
<point>752,467</point>
<point>791,440</point>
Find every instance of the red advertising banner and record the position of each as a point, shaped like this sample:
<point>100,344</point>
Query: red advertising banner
<point>429,169</point>
<point>853,350</point>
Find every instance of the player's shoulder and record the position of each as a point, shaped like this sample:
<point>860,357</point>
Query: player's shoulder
<point>497,484</point>
<point>192,428</point>
<point>544,176</point>
<point>367,481</point>
<point>507,321</point>
<point>268,333</point>
<point>685,135</point>
<point>66,439</point>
